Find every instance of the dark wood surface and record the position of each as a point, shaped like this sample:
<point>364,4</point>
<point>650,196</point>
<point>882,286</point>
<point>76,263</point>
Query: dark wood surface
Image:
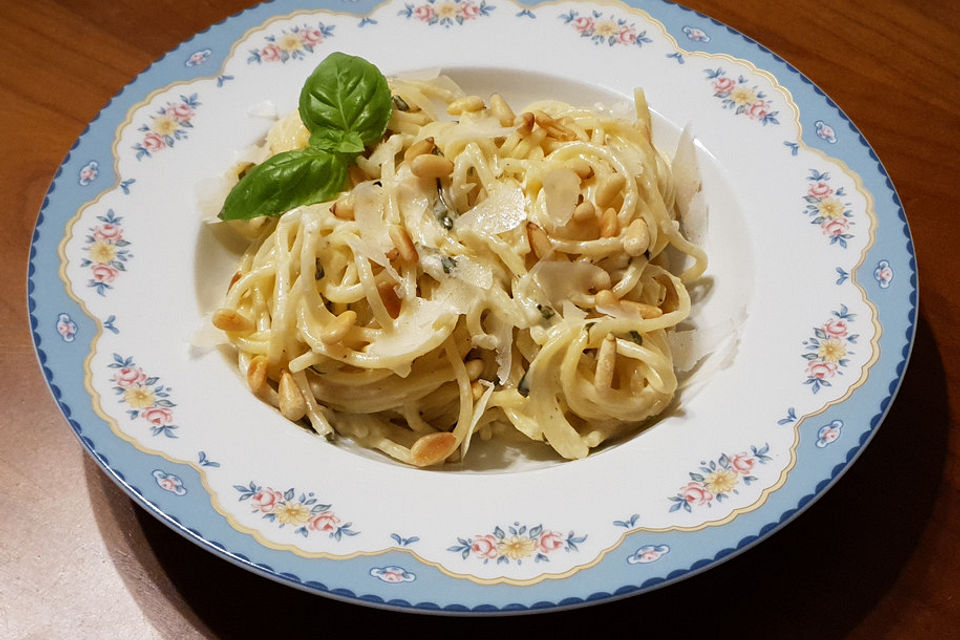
<point>876,557</point>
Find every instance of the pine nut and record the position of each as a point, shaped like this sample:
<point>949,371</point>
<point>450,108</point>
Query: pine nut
<point>636,240</point>
<point>476,390</point>
<point>337,329</point>
<point>292,405</point>
<point>524,123</point>
<point>433,448</point>
<point>431,166</point>
<point>606,360</point>
<point>584,211</point>
<point>608,189</point>
<point>466,104</point>
<point>605,298</point>
<point>474,368</point>
<point>539,242</point>
<point>232,320</point>
<point>343,208</point>
<point>390,299</point>
<point>609,224</point>
<point>403,243</point>
<point>641,309</point>
<point>418,149</point>
<point>581,167</point>
<point>501,110</point>
<point>257,373</point>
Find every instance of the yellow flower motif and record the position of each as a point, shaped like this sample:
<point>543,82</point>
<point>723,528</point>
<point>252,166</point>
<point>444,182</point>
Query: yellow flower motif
<point>832,350</point>
<point>830,208</point>
<point>447,10</point>
<point>102,252</point>
<point>139,397</point>
<point>742,96</point>
<point>721,481</point>
<point>165,125</point>
<point>516,547</point>
<point>292,513</point>
<point>289,42</point>
<point>606,28</point>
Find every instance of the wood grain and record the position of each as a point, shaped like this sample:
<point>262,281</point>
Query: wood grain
<point>874,558</point>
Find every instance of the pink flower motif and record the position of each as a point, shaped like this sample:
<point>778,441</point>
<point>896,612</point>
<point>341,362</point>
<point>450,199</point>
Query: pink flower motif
<point>820,190</point>
<point>743,463</point>
<point>181,112</point>
<point>836,328</point>
<point>129,376</point>
<point>104,273</point>
<point>108,232</point>
<point>836,227</point>
<point>390,576</point>
<point>469,11</point>
<point>88,174</point>
<point>169,483</point>
<point>583,24</point>
<point>153,141</point>
<point>627,35</point>
<point>485,546</point>
<point>550,541</point>
<point>829,435</point>
<point>724,85</point>
<point>649,555</point>
<point>158,416</point>
<point>271,53</point>
<point>311,37</point>
<point>424,13</point>
<point>758,110</point>
<point>821,370</point>
<point>696,494</point>
<point>324,521</point>
<point>266,500</point>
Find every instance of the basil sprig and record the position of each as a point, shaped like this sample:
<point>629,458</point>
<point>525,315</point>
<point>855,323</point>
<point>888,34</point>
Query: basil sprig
<point>345,104</point>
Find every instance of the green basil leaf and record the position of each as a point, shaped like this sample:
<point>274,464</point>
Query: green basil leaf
<point>345,104</point>
<point>284,181</point>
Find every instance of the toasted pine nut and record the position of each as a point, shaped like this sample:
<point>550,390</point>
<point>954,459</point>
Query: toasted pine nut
<point>257,373</point>
<point>466,104</point>
<point>403,243</point>
<point>605,298</point>
<point>343,208</point>
<point>584,211</point>
<point>336,329</point>
<point>609,224</point>
<point>501,110</point>
<point>636,240</point>
<point>292,405</point>
<point>581,167</point>
<point>476,390</point>
<point>431,166</point>
<point>418,148</point>
<point>524,123</point>
<point>554,127</point>
<point>539,241</point>
<point>232,320</point>
<point>641,309</point>
<point>390,299</point>
<point>608,189</point>
<point>433,448</point>
<point>474,368</point>
<point>606,359</point>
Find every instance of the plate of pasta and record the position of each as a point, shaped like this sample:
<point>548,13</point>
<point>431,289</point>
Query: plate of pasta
<point>469,329</point>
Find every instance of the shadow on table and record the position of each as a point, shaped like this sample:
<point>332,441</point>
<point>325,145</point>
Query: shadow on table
<point>819,577</point>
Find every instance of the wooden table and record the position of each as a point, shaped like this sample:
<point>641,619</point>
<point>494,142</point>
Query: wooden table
<point>877,557</point>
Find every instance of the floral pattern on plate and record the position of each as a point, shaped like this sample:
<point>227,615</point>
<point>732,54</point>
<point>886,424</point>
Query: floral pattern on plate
<point>106,252</point>
<point>446,12</point>
<point>718,479</point>
<point>148,400</point>
<point>826,208</point>
<point>393,575</point>
<point>737,95</point>
<point>829,433</point>
<point>291,44</point>
<point>828,348</point>
<point>168,125</point>
<point>648,553</point>
<point>304,512</point>
<point>606,29</point>
<point>169,482</point>
<point>516,544</point>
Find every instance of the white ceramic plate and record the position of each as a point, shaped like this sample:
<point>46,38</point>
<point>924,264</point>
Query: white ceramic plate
<point>811,276</point>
